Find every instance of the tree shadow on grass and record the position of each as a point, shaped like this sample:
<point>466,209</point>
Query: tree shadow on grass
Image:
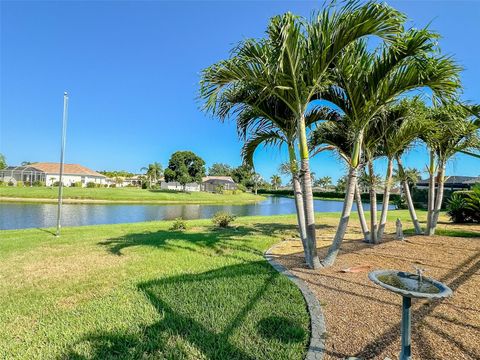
<point>215,239</point>
<point>233,312</point>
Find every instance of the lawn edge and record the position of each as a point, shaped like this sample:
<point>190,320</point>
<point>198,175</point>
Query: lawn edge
<point>316,347</point>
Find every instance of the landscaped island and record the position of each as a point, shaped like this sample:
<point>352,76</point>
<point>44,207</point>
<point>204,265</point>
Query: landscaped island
<point>122,195</point>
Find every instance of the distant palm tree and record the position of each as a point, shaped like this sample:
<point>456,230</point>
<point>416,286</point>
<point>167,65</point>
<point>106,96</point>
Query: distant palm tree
<point>276,181</point>
<point>153,172</point>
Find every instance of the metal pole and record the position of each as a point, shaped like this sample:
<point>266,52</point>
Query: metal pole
<point>406,353</point>
<point>62,154</point>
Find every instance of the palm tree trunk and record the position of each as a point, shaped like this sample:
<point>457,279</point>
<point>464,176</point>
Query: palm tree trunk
<point>373,205</point>
<point>439,197</point>
<point>408,198</point>
<point>297,190</point>
<point>431,192</point>
<point>312,261</point>
<point>386,200</point>
<point>345,216</point>
<point>361,214</point>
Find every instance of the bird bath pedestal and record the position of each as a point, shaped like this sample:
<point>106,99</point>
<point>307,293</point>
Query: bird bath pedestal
<point>409,286</point>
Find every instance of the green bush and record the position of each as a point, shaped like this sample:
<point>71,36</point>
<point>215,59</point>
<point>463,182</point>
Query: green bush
<point>39,183</point>
<point>27,183</point>
<point>223,219</point>
<point>20,183</point>
<point>241,187</point>
<point>113,185</point>
<point>91,184</point>
<point>179,225</point>
<point>11,183</point>
<point>464,206</point>
<point>76,184</point>
<point>2,183</point>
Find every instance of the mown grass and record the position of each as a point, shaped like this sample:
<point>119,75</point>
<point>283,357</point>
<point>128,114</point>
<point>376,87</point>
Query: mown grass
<point>143,291</point>
<point>127,194</point>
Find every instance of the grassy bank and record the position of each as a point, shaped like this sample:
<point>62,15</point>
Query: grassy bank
<point>125,195</point>
<point>143,291</point>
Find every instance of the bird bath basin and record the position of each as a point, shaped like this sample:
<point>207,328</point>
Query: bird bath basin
<point>409,286</point>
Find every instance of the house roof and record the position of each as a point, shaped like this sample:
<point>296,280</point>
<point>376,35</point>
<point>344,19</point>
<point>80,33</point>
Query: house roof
<point>70,169</point>
<point>224,178</point>
<point>452,180</point>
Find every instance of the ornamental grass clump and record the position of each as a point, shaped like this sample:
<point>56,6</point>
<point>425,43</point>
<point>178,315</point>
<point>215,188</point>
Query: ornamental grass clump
<point>223,219</point>
<point>179,224</point>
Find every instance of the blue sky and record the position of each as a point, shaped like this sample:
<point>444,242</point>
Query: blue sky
<point>132,71</point>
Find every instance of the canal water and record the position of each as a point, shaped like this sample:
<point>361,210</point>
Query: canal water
<point>36,215</point>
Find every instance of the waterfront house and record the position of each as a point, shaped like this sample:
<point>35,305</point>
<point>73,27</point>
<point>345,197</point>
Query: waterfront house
<point>49,174</point>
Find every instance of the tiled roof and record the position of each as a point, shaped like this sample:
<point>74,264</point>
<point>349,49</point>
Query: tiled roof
<point>69,169</point>
<point>455,180</point>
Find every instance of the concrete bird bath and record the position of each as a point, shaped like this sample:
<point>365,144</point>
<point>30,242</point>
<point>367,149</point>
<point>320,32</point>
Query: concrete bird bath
<point>409,286</point>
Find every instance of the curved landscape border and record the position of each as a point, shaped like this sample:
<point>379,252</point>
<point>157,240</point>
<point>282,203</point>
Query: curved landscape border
<point>316,346</point>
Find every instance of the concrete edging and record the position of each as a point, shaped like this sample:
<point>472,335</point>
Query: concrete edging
<point>317,321</point>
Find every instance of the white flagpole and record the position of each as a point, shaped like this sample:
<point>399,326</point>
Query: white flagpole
<point>62,154</point>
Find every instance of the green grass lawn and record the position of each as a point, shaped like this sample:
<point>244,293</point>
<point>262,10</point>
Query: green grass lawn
<point>127,194</point>
<point>134,291</point>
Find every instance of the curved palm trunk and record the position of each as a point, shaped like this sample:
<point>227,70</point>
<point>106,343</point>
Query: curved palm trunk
<point>408,198</point>
<point>298,196</point>
<point>361,214</point>
<point>439,197</point>
<point>342,225</point>
<point>312,260</point>
<point>431,193</point>
<point>386,200</point>
<point>373,205</point>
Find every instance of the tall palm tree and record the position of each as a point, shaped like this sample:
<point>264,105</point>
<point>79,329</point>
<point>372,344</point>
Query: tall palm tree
<point>451,129</point>
<point>365,83</point>
<point>293,64</point>
<point>276,181</point>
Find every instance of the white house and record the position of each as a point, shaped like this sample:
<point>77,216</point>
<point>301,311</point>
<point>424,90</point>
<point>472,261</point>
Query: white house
<point>49,173</point>
<point>209,184</point>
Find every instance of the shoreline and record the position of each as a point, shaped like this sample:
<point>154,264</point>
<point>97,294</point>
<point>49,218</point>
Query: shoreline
<point>7,199</point>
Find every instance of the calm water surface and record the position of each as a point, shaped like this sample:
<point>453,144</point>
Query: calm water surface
<point>26,215</point>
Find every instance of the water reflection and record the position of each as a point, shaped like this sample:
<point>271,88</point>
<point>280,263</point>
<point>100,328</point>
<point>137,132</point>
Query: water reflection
<point>23,215</point>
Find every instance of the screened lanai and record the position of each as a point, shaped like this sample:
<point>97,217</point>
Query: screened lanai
<point>12,174</point>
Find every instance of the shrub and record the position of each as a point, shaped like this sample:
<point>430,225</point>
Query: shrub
<point>113,185</point>
<point>76,184</point>
<point>456,209</point>
<point>241,187</point>
<point>11,183</point>
<point>223,219</point>
<point>27,183</point>
<point>179,224</point>
<point>2,183</point>
<point>39,183</point>
<point>91,184</point>
<point>56,183</point>
<point>473,203</point>
<point>20,183</point>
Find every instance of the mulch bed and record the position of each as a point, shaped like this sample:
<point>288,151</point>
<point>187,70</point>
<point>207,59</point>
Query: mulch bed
<point>363,319</point>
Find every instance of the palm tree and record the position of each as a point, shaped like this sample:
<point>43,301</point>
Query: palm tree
<point>335,135</point>
<point>451,129</point>
<point>324,182</point>
<point>395,129</point>
<point>153,172</point>
<point>276,181</point>
<point>293,65</point>
<point>408,177</point>
<point>365,83</point>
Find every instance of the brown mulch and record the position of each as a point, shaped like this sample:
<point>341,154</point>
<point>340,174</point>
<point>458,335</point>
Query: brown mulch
<point>363,320</point>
